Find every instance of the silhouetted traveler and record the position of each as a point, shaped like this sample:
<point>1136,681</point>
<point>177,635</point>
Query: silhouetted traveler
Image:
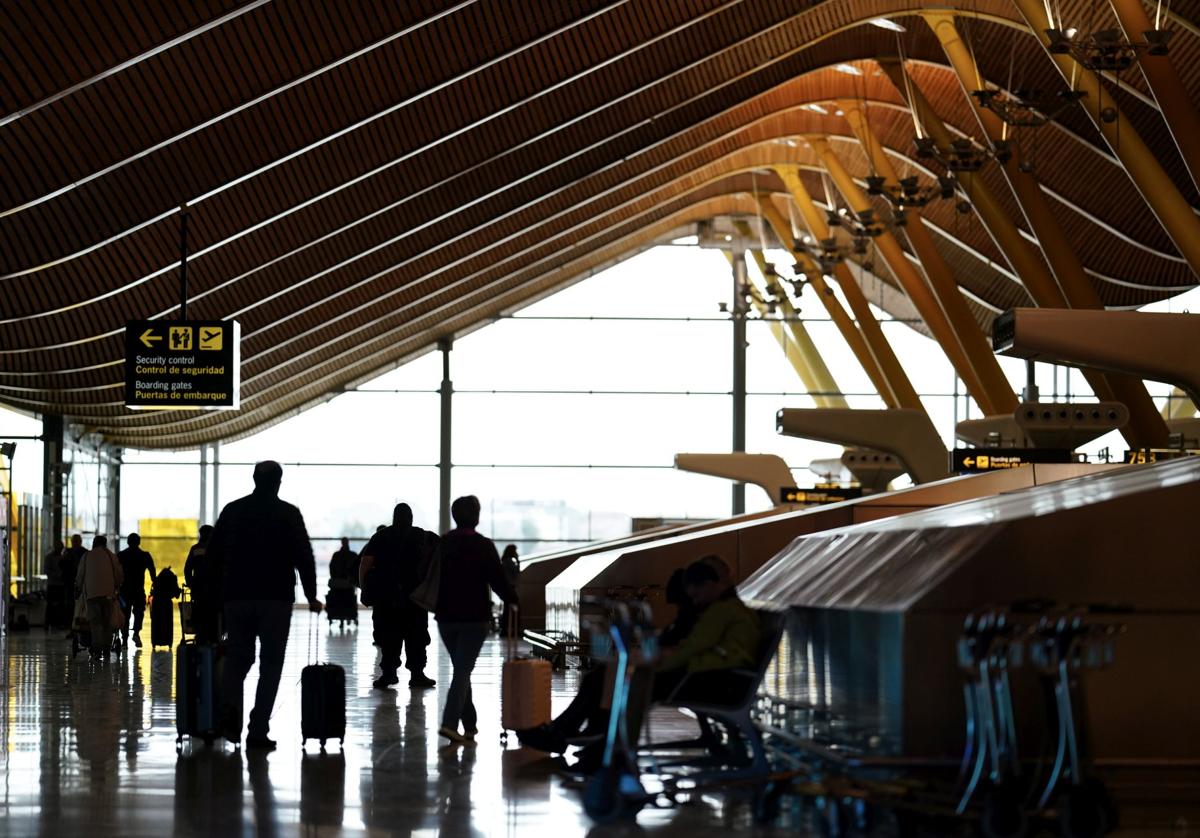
<point>726,636</point>
<point>259,544</point>
<point>98,579</point>
<point>343,567</point>
<point>162,608</point>
<point>203,579</point>
<point>69,565</point>
<point>686,612</point>
<point>135,564</point>
<point>469,566</point>
<point>391,567</point>
<point>57,612</point>
<point>512,575</point>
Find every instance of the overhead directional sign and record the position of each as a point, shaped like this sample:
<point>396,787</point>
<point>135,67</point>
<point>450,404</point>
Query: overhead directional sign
<point>965,460</point>
<point>819,494</point>
<point>192,365</point>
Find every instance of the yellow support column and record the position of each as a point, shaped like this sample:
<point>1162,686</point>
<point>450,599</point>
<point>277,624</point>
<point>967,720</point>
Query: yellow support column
<point>1181,116</point>
<point>910,278</point>
<point>837,314</point>
<point>1158,190</point>
<point>1146,428</point>
<point>971,338</point>
<point>1019,253</point>
<point>799,349</point>
<point>796,341</point>
<point>905,395</point>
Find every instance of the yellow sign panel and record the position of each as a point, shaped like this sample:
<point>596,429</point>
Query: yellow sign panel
<point>168,540</point>
<point>212,338</point>
<point>181,338</point>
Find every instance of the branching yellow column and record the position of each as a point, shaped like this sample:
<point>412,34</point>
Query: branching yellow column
<point>837,314</point>
<point>971,338</point>
<point>904,394</point>
<point>1146,427</point>
<point>1019,253</point>
<point>910,278</point>
<point>1156,186</point>
<point>1180,114</point>
<point>797,345</point>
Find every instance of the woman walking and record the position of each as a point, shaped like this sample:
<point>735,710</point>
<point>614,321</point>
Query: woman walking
<point>469,566</point>
<point>98,579</point>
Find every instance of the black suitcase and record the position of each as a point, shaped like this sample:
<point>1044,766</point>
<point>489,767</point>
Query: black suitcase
<point>323,703</point>
<point>341,604</point>
<point>198,668</point>
<point>162,625</point>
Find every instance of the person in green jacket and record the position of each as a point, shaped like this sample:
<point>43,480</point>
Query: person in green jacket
<point>726,636</point>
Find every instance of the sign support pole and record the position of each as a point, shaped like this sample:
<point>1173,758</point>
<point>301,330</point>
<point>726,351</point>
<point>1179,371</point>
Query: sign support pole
<point>739,309</point>
<point>444,462</point>
<point>183,256</point>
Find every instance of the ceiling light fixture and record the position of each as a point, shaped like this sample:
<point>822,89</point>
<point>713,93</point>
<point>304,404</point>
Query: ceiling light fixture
<point>848,69</point>
<point>885,23</point>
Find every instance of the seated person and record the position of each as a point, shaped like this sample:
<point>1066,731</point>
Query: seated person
<point>726,636</point>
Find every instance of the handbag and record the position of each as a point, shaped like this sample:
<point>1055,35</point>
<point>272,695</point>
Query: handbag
<point>425,595</point>
<point>117,620</point>
<point>79,620</point>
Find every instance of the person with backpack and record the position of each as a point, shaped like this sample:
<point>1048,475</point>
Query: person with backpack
<point>98,580</point>
<point>135,562</point>
<point>391,568</point>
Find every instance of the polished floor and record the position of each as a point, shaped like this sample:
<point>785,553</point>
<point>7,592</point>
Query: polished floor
<point>89,749</point>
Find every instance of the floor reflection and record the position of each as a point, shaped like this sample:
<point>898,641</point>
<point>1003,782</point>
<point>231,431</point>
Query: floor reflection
<point>89,748</point>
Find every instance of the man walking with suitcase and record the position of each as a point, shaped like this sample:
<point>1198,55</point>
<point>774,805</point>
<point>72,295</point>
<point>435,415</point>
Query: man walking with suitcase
<point>259,544</point>
<point>391,569</point>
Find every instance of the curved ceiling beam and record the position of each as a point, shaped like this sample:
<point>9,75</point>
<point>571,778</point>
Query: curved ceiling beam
<point>901,9</point>
<point>202,295</point>
<point>488,298</point>
<point>722,167</point>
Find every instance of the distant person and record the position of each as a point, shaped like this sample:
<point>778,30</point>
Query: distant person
<point>391,567</point>
<point>203,579</point>
<point>57,613</point>
<point>343,567</point>
<point>98,579</point>
<point>69,565</point>
<point>469,566</point>
<point>135,564</point>
<point>726,636</point>
<point>260,543</point>
<point>511,564</point>
<point>163,593</point>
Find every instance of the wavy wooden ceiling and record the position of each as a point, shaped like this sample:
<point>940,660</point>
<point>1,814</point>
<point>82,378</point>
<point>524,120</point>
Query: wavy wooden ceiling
<point>362,184</point>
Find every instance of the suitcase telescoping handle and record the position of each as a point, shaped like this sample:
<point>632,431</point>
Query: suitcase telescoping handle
<point>314,638</point>
<point>511,630</point>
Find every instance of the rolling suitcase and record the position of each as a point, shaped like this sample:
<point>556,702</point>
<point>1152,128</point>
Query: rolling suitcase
<point>322,699</point>
<point>341,604</point>
<point>524,688</point>
<point>186,626</point>
<point>198,669</point>
<point>162,625</point>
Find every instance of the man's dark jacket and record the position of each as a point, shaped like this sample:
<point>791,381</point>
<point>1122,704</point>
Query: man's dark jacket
<point>259,543</point>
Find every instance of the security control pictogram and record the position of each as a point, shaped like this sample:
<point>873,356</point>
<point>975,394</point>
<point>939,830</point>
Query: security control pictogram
<point>181,339</point>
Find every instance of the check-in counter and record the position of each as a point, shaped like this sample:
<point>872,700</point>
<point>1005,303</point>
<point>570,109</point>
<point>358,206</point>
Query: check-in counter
<point>746,543</point>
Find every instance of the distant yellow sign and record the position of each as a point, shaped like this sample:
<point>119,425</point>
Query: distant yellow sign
<point>212,338</point>
<point>181,338</point>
